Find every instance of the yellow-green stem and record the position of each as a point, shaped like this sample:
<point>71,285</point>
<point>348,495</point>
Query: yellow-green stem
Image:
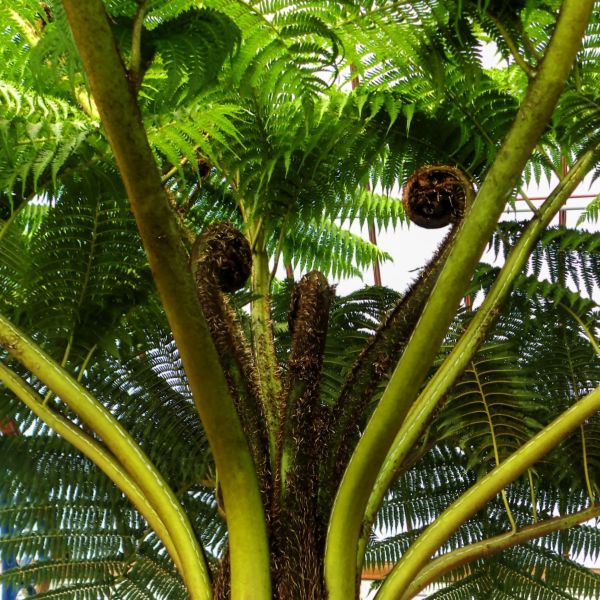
<point>585,328</point>
<point>157,224</point>
<point>92,450</point>
<point>452,560</point>
<point>263,345</point>
<point>63,363</point>
<point>86,362</point>
<point>534,511</point>
<point>586,469</point>
<point>122,445</point>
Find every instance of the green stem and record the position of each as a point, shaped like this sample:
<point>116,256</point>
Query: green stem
<point>122,445</point>
<point>585,328</point>
<point>135,62</point>
<point>86,362</point>
<point>95,452</point>
<point>351,501</point>
<point>532,496</point>
<point>169,263</point>
<point>474,499</point>
<point>490,421</point>
<point>440,384</point>
<point>529,203</point>
<point>512,46</point>
<point>452,560</point>
<point>586,469</point>
<point>263,345</point>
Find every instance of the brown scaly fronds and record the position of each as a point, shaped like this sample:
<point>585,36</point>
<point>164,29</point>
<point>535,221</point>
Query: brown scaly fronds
<point>221,260</point>
<point>299,536</point>
<point>434,196</point>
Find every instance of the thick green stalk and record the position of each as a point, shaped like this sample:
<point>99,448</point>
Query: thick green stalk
<point>263,346</point>
<point>94,451</point>
<point>456,362</point>
<point>482,492</point>
<point>462,556</point>
<point>169,263</point>
<point>476,230</point>
<point>124,448</point>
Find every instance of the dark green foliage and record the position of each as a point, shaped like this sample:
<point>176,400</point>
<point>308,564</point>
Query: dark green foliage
<point>191,48</point>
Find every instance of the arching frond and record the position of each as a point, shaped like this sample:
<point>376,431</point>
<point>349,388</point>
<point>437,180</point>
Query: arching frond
<point>492,410</point>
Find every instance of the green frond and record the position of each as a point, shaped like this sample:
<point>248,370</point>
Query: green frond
<point>418,497</point>
<point>87,270</point>
<point>569,255</point>
<point>19,20</point>
<point>365,206</point>
<point>286,47</point>
<point>189,135</point>
<point>80,573</point>
<point>352,320</point>
<point>529,290</point>
<point>492,410</point>
<point>190,49</point>
<point>54,61</point>
<point>327,247</point>
<point>591,212</point>
<point>544,574</point>
<point>149,393</point>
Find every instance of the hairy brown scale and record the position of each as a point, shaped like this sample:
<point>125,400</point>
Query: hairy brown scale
<point>226,252</point>
<point>299,535</point>
<point>435,196</point>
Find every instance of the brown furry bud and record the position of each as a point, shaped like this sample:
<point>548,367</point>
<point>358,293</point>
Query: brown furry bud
<point>225,253</point>
<point>437,195</point>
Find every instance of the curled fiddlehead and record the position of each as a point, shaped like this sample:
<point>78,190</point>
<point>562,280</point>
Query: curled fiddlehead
<point>434,196</point>
<point>221,261</point>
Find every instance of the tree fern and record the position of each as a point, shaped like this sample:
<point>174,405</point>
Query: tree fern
<point>250,117</point>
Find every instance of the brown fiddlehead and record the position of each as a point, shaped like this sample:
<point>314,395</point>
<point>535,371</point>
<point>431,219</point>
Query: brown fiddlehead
<point>434,196</point>
<point>221,261</point>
